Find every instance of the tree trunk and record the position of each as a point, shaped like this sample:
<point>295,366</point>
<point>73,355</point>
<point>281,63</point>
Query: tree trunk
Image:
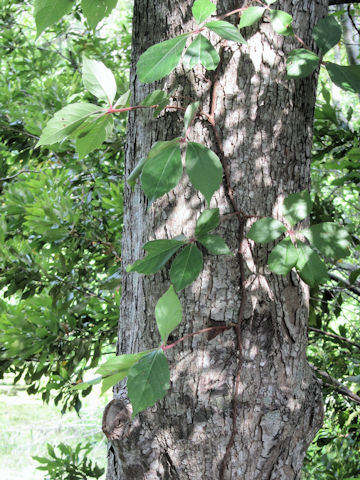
<point>266,126</point>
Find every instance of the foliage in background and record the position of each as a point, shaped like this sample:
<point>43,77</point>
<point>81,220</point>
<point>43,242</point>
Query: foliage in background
<point>69,463</point>
<point>60,218</point>
<point>334,307</point>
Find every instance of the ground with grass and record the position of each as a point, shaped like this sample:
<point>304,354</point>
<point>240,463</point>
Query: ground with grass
<point>27,425</point>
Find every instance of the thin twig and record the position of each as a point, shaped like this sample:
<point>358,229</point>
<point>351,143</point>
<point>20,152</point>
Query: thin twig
<point>339,387</point>
<point>23,170</point>
<point>337,337</point>
<point>242,221</point>
<point>352,20</point>
<point>349,286</point>
<point>204,330</point>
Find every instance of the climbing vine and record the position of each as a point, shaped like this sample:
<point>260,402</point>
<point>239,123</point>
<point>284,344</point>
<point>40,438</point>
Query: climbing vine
<point>148,374</point>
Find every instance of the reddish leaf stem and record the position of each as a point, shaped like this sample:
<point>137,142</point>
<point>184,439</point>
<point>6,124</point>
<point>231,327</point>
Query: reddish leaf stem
<point>238,10</point>
<point>204,330</point>
<point>137,107</point>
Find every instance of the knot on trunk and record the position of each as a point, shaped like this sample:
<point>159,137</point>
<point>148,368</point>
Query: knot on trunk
<point>116,419</point>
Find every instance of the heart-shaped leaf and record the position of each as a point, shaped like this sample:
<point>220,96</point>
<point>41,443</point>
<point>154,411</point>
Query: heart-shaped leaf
<point>160,59</point>
<point>204,169</point>
<point>250,16</point>
<point>215,244</point>
<point>159,252</point>
<point>168,313</point>
<point>186,267</point>
<point>201,51</point>
<point>281,22</point>
<point>99,80</point>
<point>65,122</point>
<point>283,257</point>
<point>331,239</point>
<point>226,30</point>
<point>310,266</point>
<point>327,33</point>
<point>202,9</point>
<point>148,381</point>
<point>301,63</point>
<point>96,11</point>
<point>163,169</point>
<point>208,220</point>
<point>346,77</point>
<point>297,206</point>
<point>266,230</point>
<point>47,12</point>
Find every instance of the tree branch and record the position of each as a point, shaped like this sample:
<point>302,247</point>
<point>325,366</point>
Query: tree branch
<point>349,286</point>
<point>339,387</point>
<point>6,179</point>
<point>337,337</point>
<point>352,20</point>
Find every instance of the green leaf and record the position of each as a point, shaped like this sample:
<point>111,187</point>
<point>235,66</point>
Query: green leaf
<point>160,59</point>
<point>41,460</point>
<point>85,385</point>
<point>202,9</point>
<point>297,206</point>
<point>148,381</point>
<point>354,276</point>
<point>3,229</point>
<point>119,365</point>
<point>310,266</point>
<point>208,220</point>
<point>159,252</point>
<point>226,30</point>
<point>327,33</point>
<point>331,239</point>
<point>281,22</point>
<point>131,180</point>
<point>186,267</point>
<point>215,244</point>
<point>250,16</point>
<point>283,257</point>
<point>270,2</point>
<point>345,77</point>
<point>92,136</point>
<point>161,107</point>
<point>190,113</point>
<point>66,121</point>
<point>301,63</point>
<point>162,170</point>
<point>168,313</point>
<point>355,379</point>
<point>50,450</point>
<point>266,230</point>
<point>96,11</point>
<point>98,80</point>
<point>154,98</point>
<point>110,381</point>
<point>201,51</point>
<point>123,100</point>
<point>47,12</point>
<point>204,169</point>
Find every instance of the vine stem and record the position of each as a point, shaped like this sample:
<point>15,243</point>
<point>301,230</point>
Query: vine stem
<point>204,330</point>
<point>242,218</point>
<point>137,107</point>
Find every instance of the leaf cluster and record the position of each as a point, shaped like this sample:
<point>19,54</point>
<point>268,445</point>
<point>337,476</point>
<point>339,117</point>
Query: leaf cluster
<point>68,463</point>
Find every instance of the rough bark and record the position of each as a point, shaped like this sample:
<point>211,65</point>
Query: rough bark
<point>266,124</point>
